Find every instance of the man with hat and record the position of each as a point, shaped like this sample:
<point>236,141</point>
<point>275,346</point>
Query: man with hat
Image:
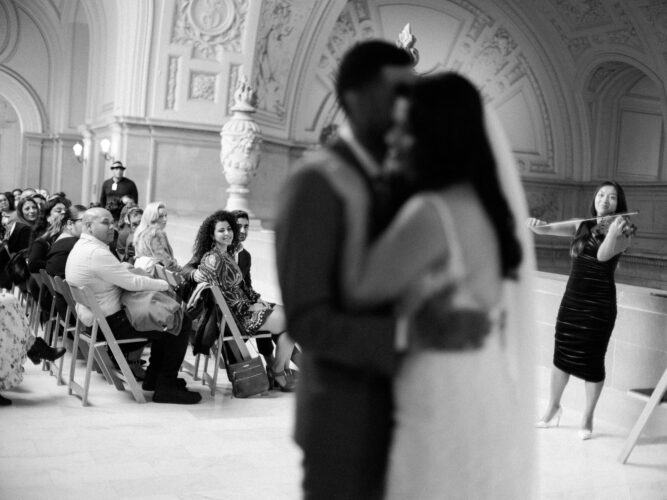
<point>118,186</point>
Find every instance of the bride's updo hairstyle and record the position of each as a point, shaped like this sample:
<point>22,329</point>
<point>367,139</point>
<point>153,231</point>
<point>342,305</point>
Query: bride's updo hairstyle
<point>446,118</point>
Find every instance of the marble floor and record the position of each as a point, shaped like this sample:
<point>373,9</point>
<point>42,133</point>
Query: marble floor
<point>228,448</point>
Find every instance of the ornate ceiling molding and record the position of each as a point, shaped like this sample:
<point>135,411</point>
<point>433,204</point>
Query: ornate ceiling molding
<point>211,26</point>
<point>586,25</point>
<point>281,26</point>
<point>655,15</point>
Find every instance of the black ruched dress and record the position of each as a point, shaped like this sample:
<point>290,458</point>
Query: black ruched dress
<point>587,314</point>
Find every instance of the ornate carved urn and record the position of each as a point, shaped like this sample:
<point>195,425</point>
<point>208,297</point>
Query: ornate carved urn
<point>239,146</point>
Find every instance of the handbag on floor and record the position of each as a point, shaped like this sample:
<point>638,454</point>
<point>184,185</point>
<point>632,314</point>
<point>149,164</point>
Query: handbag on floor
<point>248,377</point>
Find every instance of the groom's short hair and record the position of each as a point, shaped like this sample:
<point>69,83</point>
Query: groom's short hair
<point>363,63</point>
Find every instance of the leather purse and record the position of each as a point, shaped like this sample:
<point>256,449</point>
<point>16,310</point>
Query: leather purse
<point>248,377</point>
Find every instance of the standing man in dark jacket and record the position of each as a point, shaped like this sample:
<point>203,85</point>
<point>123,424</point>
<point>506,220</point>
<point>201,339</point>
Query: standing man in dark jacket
<point>344,413</point>
<point>118,186</point>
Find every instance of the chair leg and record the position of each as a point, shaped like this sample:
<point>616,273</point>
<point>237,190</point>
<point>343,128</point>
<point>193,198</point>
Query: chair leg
<point>127,373</point>
<point>196,369</point>
<point>218,357</point>
<point>72,365</point>
<point>104,361</point>
<point>89,364</point>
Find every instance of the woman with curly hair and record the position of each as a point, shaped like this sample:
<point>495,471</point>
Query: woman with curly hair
<point>216,240</point>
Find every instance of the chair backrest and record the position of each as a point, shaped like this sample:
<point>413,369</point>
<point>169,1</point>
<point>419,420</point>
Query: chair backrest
<point>62,287</point>
<point>38,279</point>
<point>84,296</point>
<point>47,279</point>
<point>229,319</point>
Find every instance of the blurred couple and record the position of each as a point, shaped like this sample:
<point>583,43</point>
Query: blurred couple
<point>404,278</point>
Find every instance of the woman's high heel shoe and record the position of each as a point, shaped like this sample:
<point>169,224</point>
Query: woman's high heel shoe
<point>585,434</point>
<point>545,424</point>
<point>288,385</point>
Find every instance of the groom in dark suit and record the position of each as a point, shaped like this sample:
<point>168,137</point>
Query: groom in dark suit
<point>344,396</point>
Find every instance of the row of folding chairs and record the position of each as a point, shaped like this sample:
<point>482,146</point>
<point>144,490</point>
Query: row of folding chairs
<point>96,343</point>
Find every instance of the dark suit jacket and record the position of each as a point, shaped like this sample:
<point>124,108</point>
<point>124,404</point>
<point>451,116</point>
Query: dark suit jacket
<point>124,187</point>
<point>344,399</point>
<point>245,262</point>
<point>18,240</point>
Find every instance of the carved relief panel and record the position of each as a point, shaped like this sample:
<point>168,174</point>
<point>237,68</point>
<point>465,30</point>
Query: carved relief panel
<point>281,26</point>
<point>591,24</point>
<point>200,43</point>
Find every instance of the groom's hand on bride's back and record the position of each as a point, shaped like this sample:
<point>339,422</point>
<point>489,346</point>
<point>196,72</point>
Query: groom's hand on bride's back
<point>449,329</point>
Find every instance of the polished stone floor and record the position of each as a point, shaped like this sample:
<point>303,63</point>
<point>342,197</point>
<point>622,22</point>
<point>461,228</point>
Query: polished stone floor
<point>228,448</point>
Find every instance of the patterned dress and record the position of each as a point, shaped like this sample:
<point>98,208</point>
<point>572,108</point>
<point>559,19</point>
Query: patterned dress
<point>219,268</point>
<point>15,341</point>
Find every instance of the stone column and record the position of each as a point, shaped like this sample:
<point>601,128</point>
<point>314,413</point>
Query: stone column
<point>239,147</point>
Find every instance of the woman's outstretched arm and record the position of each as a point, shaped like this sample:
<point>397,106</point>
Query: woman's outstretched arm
<point>413,242</point>
<point>565,228</point>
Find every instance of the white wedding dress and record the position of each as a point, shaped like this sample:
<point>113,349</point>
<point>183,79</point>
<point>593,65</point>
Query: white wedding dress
<point>464,418</point>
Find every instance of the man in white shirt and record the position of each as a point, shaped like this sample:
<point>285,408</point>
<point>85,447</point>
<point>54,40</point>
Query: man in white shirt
<point>91,264</point>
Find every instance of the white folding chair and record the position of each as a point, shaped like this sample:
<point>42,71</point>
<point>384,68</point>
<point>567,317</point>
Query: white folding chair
<point>240,351</point>
<point>63,290</point>
<point>98,351</point>
<point>52,322</point>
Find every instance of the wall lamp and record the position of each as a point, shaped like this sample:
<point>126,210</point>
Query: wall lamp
<point>78,151</point>
<point>105,146</point>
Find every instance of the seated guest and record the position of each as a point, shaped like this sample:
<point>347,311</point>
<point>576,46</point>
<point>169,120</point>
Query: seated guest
<point>44,233</point>
<point>150,239</point>
<point>28,193</point>
<point>17,343</point>
<point>16,192</point>
<point>216,239</point>
<point>128,200</point>
<point>17,238</point>
<point>62,246</point>
<point>91,264</point>
<point>129,222</point>
<point>7,205</point>
<point>27,211</point>
<point>39,199</point>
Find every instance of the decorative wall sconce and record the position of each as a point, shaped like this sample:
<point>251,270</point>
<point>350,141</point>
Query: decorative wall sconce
<point>78,151</point>
<point>105,147</point>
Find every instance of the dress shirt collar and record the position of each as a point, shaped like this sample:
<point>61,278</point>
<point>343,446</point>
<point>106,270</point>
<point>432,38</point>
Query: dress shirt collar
<point>93,240</point>
<point>366,160</point>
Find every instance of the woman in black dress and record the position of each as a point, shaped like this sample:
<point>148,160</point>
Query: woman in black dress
<point>588,310</point>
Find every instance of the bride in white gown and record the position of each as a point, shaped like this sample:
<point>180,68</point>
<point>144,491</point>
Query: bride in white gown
<point>455,265</point>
